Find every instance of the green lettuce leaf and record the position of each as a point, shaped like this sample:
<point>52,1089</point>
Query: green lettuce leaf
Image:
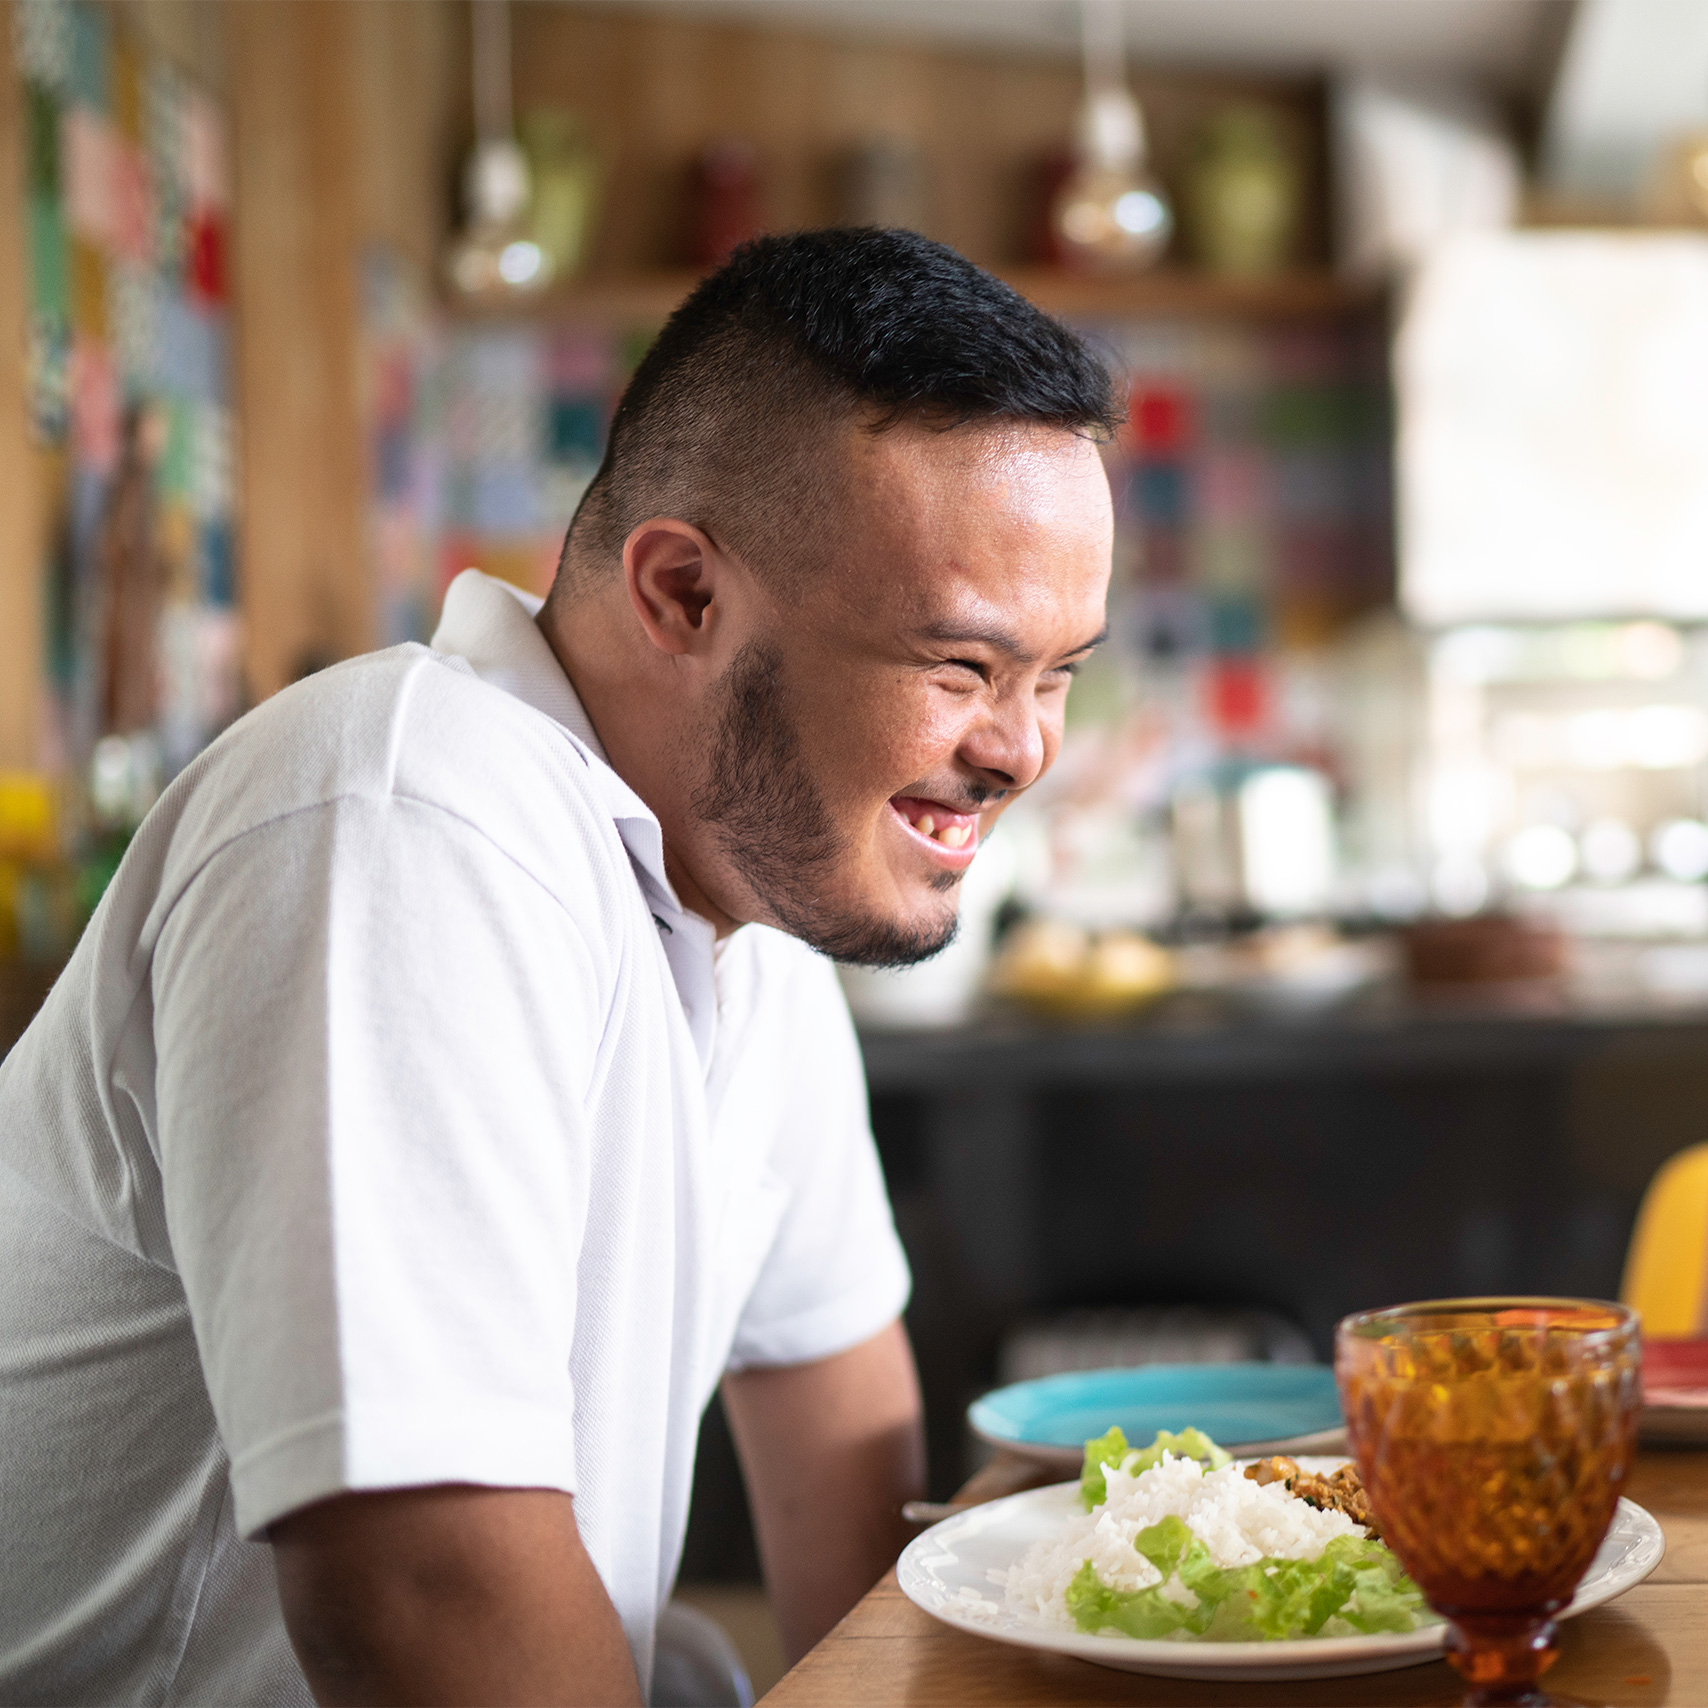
<point>1188,1444</point>
<point>1108,1449</point>
<point>1383,1597</point>
<point>1167,1543</point>
<point>1355,1579</point>
<point>1143,1613</point>
<point>1112,1449</point>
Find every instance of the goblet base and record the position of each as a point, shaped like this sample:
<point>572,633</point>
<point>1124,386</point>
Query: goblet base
<point>1501,1655</point>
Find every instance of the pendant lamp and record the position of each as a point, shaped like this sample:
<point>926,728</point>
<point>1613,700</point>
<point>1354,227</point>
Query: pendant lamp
<point>495,252</point>
<point>1110,214</point>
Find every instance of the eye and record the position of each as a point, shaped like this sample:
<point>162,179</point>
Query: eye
<point>971,664</point>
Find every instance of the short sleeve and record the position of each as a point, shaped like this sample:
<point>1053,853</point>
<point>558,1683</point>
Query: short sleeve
<point>835,1273</point>
<point>373,1034</point>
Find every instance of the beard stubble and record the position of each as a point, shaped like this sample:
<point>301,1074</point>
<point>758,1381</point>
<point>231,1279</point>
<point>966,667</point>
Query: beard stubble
<point>760,801</point>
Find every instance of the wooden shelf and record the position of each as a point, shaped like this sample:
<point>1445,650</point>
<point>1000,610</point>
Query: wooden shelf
<point>639,299</point>
<point>642,299</point>
<point>1179,293</point>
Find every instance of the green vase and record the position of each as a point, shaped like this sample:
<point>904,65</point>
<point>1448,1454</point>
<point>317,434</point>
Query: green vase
<point>1242,195</point>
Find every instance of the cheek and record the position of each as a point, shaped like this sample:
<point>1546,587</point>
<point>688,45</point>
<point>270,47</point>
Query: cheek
<point>899,734</point>
<point>925,746</point>
<point>937,728</point>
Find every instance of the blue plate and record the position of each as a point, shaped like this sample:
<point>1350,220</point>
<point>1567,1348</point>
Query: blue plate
<point>1241,1406</point>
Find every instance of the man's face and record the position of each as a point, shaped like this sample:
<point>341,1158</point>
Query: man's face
<point>903,685</point>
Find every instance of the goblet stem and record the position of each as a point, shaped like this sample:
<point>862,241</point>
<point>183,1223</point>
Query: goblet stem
<point>1501,1655</point>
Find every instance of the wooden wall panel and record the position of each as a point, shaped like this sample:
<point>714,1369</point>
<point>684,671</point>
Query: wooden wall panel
<point>406,65</point>
<point>341,110</point>
<point>295,285</point>
<point>20,501</point>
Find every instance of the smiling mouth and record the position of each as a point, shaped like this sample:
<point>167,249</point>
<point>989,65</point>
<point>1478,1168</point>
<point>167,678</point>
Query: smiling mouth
<point>949,831</point>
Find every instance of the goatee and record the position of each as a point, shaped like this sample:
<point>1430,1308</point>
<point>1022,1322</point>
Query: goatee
<point>761,802</point>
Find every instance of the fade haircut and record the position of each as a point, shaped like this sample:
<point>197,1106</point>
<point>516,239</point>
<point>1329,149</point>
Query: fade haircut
<point>728,420</point>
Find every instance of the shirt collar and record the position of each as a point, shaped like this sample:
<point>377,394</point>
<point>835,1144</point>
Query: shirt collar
<point>491,626</point>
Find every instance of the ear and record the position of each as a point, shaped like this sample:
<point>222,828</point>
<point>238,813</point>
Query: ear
<point>672,572</point>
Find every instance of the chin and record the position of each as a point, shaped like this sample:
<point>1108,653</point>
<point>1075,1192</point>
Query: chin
<point>868,938</point>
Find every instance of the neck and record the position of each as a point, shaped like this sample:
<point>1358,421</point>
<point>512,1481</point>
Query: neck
<point>622,707</point>
<point>693,898</point>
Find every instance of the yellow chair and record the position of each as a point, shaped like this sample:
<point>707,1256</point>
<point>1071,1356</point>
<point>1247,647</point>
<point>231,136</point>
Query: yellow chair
<point>1666,1268</point>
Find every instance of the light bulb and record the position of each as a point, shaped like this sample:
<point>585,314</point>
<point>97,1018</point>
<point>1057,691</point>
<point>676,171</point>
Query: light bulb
<point>495,253</point>
<point>1680,849</point>
<point>1113,218</point>
<point>1140,213</point>
<point>1111,213</point>
<point>520,262</point>
<point>1542,857</point>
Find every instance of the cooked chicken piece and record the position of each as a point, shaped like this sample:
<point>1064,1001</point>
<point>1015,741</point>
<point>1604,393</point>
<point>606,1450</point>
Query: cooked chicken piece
<point>1340,1491</point>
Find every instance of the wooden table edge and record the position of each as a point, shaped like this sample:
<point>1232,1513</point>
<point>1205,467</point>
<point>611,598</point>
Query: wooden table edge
<point>1673,1484</point>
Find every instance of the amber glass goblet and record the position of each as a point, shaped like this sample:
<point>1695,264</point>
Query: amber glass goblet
<point>1493,1437</point>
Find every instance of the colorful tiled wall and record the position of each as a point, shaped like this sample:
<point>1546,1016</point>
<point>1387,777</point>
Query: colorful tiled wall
<point>1253,507</point>
<point>126,212</point>
<point>1251,488</point>
<point>483,441</point>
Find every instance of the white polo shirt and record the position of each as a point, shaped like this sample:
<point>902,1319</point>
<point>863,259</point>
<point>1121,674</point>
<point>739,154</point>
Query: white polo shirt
<point>392,1125</point>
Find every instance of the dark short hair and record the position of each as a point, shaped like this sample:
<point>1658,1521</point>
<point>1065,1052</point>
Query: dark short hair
<point>722,423</point>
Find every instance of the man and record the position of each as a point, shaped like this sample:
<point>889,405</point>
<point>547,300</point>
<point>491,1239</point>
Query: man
<point>446,1097</point>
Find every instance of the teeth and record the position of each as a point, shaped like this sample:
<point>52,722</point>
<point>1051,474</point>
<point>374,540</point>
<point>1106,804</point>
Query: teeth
<point>949,834</point>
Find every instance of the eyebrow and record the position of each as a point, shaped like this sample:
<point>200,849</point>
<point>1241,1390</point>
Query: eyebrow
<point>994,635</point>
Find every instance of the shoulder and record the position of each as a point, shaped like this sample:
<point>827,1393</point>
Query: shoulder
<point>333,734</point>
<point>404,719</point>
<point>406,725</point>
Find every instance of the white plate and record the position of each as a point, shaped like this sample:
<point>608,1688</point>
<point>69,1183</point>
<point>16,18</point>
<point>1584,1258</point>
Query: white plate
<point>945,1572</point>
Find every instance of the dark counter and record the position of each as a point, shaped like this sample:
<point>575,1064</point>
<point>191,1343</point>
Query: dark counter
<point>1189,1037</point>
<point>1308,1162</point>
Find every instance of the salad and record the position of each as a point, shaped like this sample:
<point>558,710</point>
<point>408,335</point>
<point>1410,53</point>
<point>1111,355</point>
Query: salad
<point>1177,1542</point>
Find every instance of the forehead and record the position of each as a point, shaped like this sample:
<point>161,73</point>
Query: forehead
<point>1013,519</point>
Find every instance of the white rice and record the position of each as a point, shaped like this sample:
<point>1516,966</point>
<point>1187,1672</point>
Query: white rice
<point>1237,1519</point>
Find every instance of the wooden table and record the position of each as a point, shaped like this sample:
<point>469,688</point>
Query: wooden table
<point>1649,1646</point>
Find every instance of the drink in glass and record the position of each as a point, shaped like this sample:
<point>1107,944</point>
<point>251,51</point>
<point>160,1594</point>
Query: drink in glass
<point>1493,1437</point>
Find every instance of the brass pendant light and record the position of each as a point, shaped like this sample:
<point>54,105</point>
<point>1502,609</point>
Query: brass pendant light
<point>1110,214</point>
<point>495,252</point>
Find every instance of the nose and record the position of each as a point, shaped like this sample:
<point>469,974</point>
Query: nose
<point>1006,745</point>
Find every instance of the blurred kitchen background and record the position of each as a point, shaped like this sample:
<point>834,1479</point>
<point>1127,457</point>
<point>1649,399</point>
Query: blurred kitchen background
<point>1357,949</point>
